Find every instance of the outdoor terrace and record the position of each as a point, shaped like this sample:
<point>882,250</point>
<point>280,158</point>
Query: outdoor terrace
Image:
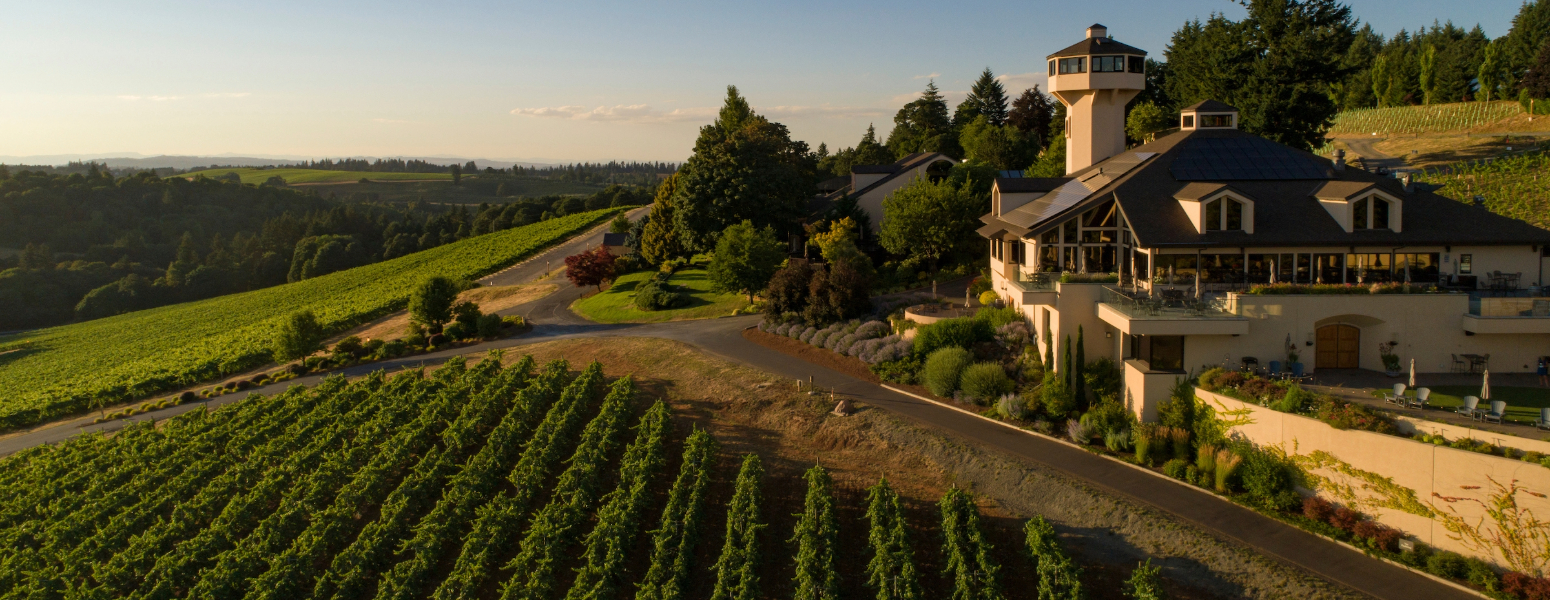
<point>1170,312</point>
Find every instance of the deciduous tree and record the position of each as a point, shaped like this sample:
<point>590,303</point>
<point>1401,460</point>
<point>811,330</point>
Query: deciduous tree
<point>928,219</point>
<point>745,259</point>
<point>431,304</point>
<point>593,267</point>
<point>298,336</point>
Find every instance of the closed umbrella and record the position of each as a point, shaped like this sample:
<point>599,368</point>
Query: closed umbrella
<point>1412,373</point>
<point>1485,387</point>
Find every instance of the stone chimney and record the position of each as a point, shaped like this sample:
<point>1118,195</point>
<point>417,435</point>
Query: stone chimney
<point>1339,159</point>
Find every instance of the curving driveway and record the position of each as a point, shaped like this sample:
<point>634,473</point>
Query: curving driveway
<point>723,337</point>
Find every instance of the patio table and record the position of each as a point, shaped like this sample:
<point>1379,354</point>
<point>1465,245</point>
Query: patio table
<point>1476,362</point>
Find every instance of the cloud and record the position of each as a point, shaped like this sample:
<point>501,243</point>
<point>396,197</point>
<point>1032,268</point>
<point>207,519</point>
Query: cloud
<point>226,95</point>
<point>931,76</point>
<point>819,111</point>
<point>1016,83</point>
<point>135,98</point>
<point>151,98</point>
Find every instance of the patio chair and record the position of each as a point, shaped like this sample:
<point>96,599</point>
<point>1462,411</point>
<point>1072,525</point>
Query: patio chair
<point>1398,397</point>
<point>1458,364</point>
<point>1544,418</point>
<point>1250,364</point>
<point>1421,395</point>
<point>1498,410</point>
<point>1469,407</point>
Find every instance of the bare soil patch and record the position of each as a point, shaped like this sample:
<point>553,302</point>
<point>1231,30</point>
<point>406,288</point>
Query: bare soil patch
<point>489,298</point>
<point>752,411</point>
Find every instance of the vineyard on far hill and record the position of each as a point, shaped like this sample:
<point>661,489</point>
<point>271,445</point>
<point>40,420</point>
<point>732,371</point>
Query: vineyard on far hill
<point>61,371</point>
<point>1517,186</point>
<point>294,176</point>
<point>474,481</point>
<point>1435,118</point>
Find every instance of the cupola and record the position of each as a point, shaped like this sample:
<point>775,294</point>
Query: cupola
<point>1208,114</point>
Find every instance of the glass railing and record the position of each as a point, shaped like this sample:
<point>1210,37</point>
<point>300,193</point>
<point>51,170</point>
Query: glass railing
<point>1034,282</point>
<point>1485,304</point>
<point>1169,304</point>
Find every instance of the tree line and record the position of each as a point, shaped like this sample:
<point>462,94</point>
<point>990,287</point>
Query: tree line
<point>95,246</point>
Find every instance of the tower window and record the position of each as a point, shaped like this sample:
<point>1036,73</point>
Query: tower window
<point>1108,64</point>
<point>1216,120</point>
<point>1137,64</point>
<point>1052,67</point>
<point>1073,65</point>
<point>1189,121</point>
<point>1214,215</point>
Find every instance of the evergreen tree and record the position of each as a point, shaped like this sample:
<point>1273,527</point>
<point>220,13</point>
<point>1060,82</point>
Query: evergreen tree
<point>816,539</point>
<point>923,125</point>
<point>1065,364</point>
<point>1003,147</point>
<point>1529,35</point>
<point>659,240</point>
<point>1031,114</point>
<point>737,570</point>
<point>744,167</point>
<point>989,98</point>
<point>1428,77</point>
<point>1079,371</point>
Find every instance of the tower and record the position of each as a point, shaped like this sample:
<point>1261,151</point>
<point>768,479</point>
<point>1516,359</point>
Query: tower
<point>1095,78</point>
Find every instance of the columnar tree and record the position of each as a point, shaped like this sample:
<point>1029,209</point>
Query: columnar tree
<point>737,570</point>
<point>660,241</point>
<point>816,538</point>
<point>891,572</point>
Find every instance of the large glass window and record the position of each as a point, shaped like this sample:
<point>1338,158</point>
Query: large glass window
<point>1164,352</point>
<point>1214,215</point>
<point>1288,266</point>
<point>1068,232</point>
<point>1304,268</point>
<point>1101,216</point>
<point>1099,259</point>
<point>1050,237</point>
<point>1049,258</point>
<point>1174,268</point>
<point>1329,268</point>
<point>1359,214</point>
<point>1421,268</point>
<point>1222,268</point>
<point>1234,215</point>
<point>1380,213</point>
<point>1216,120</point>
<point>1073,65</point>
<point>1368,268</point>
<point>1108,64</point>
<point>1137,64</point>
<point>1260,267</point>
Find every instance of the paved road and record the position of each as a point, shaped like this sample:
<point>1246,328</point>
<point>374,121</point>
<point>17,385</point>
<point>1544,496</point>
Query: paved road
<point>1371,156</point>
<point>553,258</point>
<point>723,337</point>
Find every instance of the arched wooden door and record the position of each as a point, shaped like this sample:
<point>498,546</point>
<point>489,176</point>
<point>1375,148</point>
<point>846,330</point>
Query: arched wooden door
<point>1339,347</point>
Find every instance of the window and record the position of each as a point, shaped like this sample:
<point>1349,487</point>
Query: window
<point>995,249</point>
<point>1234,215</point>
<point>1049,260</point>
<point>1052,67</point>
<point>1108,64</point>
<point>1304,268</point>
<point>1421,268</point>
<point>1069,231</point>
<point>1466,263</point>
<point>1137,64</point>
<point>1371,212</point>
<point>1368,268</point>
<point>1073,65</point>
<point>1189,121</point>
<point>1216,120</point>
<point>1101,216</point>
<point>1050,237</point>
<point>1359,214</point>
<point>1380,213</point>
<point>1163,352</point>
<point>1214,215</point>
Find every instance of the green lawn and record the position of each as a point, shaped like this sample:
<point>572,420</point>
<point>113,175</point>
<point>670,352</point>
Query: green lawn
<point>1523,403</point>
<point>617,303</point>
<point>314,175</point>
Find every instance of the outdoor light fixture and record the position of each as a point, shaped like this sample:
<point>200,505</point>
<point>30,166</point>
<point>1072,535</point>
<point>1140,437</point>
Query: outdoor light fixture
<point>1309,338</point>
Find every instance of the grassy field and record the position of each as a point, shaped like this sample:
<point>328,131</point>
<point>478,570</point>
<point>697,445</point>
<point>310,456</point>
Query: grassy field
<point>1523,403</point>
<point>617,303</point>
<point>295,176</point>
<point>472,191</point>
<point>1436,118</point>
<point>61,371</point>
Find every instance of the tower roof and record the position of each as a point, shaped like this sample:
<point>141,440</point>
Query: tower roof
<point>1097,45</point>
<point>1208,106</point>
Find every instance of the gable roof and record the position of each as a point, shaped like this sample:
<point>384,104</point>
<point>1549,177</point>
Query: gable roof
<point>1209,106</point>
<point>1097,45</point>
<point>1286,210</point>
<point>902,166</point>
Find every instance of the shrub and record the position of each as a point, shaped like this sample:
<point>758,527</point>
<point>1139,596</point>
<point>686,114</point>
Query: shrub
<point>1010,406</point>
<point>458,330</point>
<point>962,333</point>
<point>1532,456</point>
<point>1056,398</point>
<point>943,369</point>
<point>980,285</point>
<point>807,335</point>
<point>872,330</point>
<point>985,382</point>
<point>1447,564</point>
<point>1178,441</point>
<point>1208,378</point>
<point>298,336</point>
<point>1345,518</point>
<point>901,370</point>
<point>1377,535</point>
<point>1176,468</point>
<point>1078,432</point>
<point>1205,458</point>
<point>187,397</point>
<point>989,298</point>
<point>1295,400</point>
<point>1117,441</point>
<point>350,347</point>
<point>1480,573</point>
<point>1107,417</point>
<point>1226,466</point>
<point>819,337</point>
<point>1317,508</point>
<point>999,317</point>
<point>844,343</point>
<point>488,326</point>
<point>1528,587</point>
<point>1267,478</point>
<point>436,340</point>
<point>659,295</point>
<point>1230,380</point>
<point>1346,415</point>
<point>1143,436</point>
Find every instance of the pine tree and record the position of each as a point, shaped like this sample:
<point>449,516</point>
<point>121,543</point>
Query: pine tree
<point>989,98</point>
<point>737,570</point>
<point>892,569</point>
<point>816,537</point>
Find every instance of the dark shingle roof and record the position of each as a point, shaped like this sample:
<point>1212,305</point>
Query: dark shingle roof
<point>1243,158</point>
<point>904,165</point>
<point>614,239</point>
<point>1209,106</point>
<point>833,185</point>
<point>1098,45</point>
<point>1287,212</point>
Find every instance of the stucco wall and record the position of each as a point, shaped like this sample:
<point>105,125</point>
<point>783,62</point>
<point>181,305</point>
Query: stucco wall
<point>1377,471</point>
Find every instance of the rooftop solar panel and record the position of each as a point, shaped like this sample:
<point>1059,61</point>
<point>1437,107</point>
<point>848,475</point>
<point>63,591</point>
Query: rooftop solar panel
<point>1245,158</point>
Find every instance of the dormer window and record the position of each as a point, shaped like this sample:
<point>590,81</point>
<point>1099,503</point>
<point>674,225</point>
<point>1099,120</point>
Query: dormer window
<point>1224,214</point>
<point>1188,122</point>
<point>1371,212</point>
<point>1216,120</point>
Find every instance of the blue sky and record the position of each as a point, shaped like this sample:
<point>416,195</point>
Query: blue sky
<point>550,80</point>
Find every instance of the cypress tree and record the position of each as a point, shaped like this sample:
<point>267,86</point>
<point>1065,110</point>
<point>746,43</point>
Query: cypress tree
<point>1078,375</point>
<point>1065,364</point>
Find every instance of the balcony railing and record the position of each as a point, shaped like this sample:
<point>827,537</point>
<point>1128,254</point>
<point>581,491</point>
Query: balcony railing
<point>1034,282</point>
<point>1483,304</point>
<point>1169,305</point>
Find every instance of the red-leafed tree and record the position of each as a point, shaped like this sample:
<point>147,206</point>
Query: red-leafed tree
<point>593,267</point>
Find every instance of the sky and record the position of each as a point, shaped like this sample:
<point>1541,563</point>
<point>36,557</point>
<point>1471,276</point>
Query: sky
<point>541,81</point>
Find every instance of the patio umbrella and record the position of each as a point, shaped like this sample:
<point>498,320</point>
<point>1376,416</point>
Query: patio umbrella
<point>1412,373</point>
<point>1485,386</point>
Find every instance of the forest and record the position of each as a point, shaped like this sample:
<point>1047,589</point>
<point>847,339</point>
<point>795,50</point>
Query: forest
<point>94,246</point>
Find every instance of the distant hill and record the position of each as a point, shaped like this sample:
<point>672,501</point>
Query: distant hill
<point>131,160</point>
<point>300,176</point>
